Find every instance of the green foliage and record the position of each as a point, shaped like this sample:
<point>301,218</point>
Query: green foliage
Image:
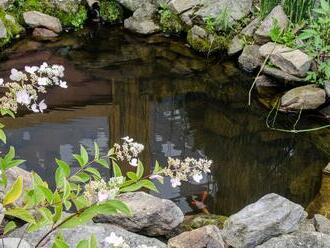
<point>298,11</point>
<point>286,37</point>
<point>316,39</point>
<point>110,11</point>
<point>74,19</point>
<point>221,23</point>
<point>12,27</point>
<point>266,6</point>
<point>170,22</point>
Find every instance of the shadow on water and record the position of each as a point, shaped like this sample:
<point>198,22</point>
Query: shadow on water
<point>177,104</point>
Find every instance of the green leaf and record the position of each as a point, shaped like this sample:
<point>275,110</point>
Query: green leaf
<point>118,205</point>
<point>45,212</point>
<point>64,166</point>
<point>81,202</point>
<point>116,169</point>
<point>93,241</point>
<point>66,189</point>
<point>60,242</point>
<point>131,175</point>
<point>83,244</point>
<point>139,170</point>
<point>131,188</point>
<point>15,163</point>
<point>157,168</point>
<point>79,159</point>
<point>96,151</point>
<point>148,185</point>
<point>11,154</point>
<point>103,162</point>
<point>3,136</point>
<point>21,213</point>
<point>83,154</point>
<point>84,177</point>
<point>10,226</point>
<point>15,192</point>
<point>94,172</point>
<point>59,177</point>
<point>57,200</point>
<point>47,193</point>
<point>111,152</point>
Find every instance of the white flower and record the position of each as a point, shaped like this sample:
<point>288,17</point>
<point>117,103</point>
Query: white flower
<point>1,81</point>
<point>42,106</point>
<point>134,162</point>
<point>63,84</point>
<point>158,177</point>
<point>102,196</point>
<point>43,81</point>
<point>16,75</point>
<point>114,240</point>
<point>198,177</point>
<point>34,108</point>
<point>23,97</point>
<point>175,182</point>
<point>31,69</point>
<point>127,139</point>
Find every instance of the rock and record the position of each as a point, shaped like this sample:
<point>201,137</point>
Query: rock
<point>292,61</point>
<point>250,59</point>
<point>44,34</point>
<point>180,6</point>
<point>270,216</point>
<point>4,3</point>
<point>142,21</point>
<point>73,236</point>
<point>281,75</point>
<point>3,30</point>
<point>133,5</point>
<point>298,240</point>
<point>236,45</point>
<point>262,35</point>
<point>326,170</point>
<point>322,224</point>
<point>265,81</point>
<point>67,5</point>
<point>304,97</point>
<point>14,243</point>
<point>327,88</point>
<point>250,29</point>
<point>151,215</point>
<point>207,236</point>
<point>37,19</point>
<point>307,226</point>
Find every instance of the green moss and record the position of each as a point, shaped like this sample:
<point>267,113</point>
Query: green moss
<point>12,27</point>
<point>110,10</point>
<point>170,22</point>
<point>212,43</point>
<point>73,19</point>
<point>193,222</point>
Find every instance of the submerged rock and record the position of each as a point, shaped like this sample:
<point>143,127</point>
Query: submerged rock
<point>304,97</point>
<point>292,61</point>
<point>270,216</point>
<point>207,236</point>
<point>150,215</point>
<point>262,35</point>
<point>83,232</point>
<point>44,34</point>
<point>322,224</point>
<point>143,20</point>
<point>250,58</point>
<point>299,240</point>
<point>37,19</point>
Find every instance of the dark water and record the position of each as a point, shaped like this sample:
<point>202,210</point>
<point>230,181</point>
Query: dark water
<point>177,104</point>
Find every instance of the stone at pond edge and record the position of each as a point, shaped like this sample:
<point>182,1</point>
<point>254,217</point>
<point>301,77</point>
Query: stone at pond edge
<point>326,170</point>
<point>207,236</point>
<point>270,216</point>
<point>298,240</point>
<point>13,243</point>
<point>250,58</point>
<point>44,34</point>
<point>304,97</point>
<point>83,232</point>
<point>37,19</point>
<point>327,88</point>
<point>322,224</point>
<point>281,75</point>
<point>143,20</point>
<point>236,45</point>
<point>3,30</point>
<point>150,215</point>
<point>262,35</point>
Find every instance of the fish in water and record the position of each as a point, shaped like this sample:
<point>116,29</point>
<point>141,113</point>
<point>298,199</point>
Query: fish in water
<point>200,204</point>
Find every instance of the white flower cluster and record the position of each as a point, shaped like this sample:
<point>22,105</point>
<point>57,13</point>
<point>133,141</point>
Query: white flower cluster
<point>181,170</point>
<point>114,241</point>
<point>24,87</point>
<point>128,151</point>
<point>100,191</point>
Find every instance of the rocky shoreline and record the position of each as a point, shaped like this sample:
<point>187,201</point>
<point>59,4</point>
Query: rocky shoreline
<point>272,221</point>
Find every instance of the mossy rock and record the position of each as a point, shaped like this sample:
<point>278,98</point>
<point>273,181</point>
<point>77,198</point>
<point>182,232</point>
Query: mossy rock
<point>13,29</point>
<point>207,43</point>
<point>200,220</point>
<point>110,11</point>
<point>170,22</point>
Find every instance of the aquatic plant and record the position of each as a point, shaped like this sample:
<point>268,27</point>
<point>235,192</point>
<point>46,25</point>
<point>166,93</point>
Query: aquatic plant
<point>82,191</point>
<point>169,21</point>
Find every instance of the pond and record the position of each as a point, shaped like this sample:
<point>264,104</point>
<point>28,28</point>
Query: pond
<point>178,104</point>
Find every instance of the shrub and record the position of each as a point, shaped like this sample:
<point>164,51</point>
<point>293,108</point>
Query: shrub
<point>110,11</point>
<point>12,27</point>
<point>170,22</point>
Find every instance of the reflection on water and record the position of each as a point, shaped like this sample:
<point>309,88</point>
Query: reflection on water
<point>176,103</point>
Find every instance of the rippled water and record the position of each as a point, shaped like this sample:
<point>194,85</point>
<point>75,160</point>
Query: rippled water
<point>176,103</point>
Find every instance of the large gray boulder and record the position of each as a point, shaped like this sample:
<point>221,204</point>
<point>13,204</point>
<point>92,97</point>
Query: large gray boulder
<point>143,20</point>
<point>298,240</point>
<point>281,75</point>
<point>250,58</point>
<point>322,224</point>
<point>304,97</point>
<point>4,3</point>
<point>262,35</point>
<point>292,61</point>
<point>207,236</point>
<point>83,232</point>
<point>270,216</point>
<point>37,19</point>
<point>14,243</point>
<point>151,215</point>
